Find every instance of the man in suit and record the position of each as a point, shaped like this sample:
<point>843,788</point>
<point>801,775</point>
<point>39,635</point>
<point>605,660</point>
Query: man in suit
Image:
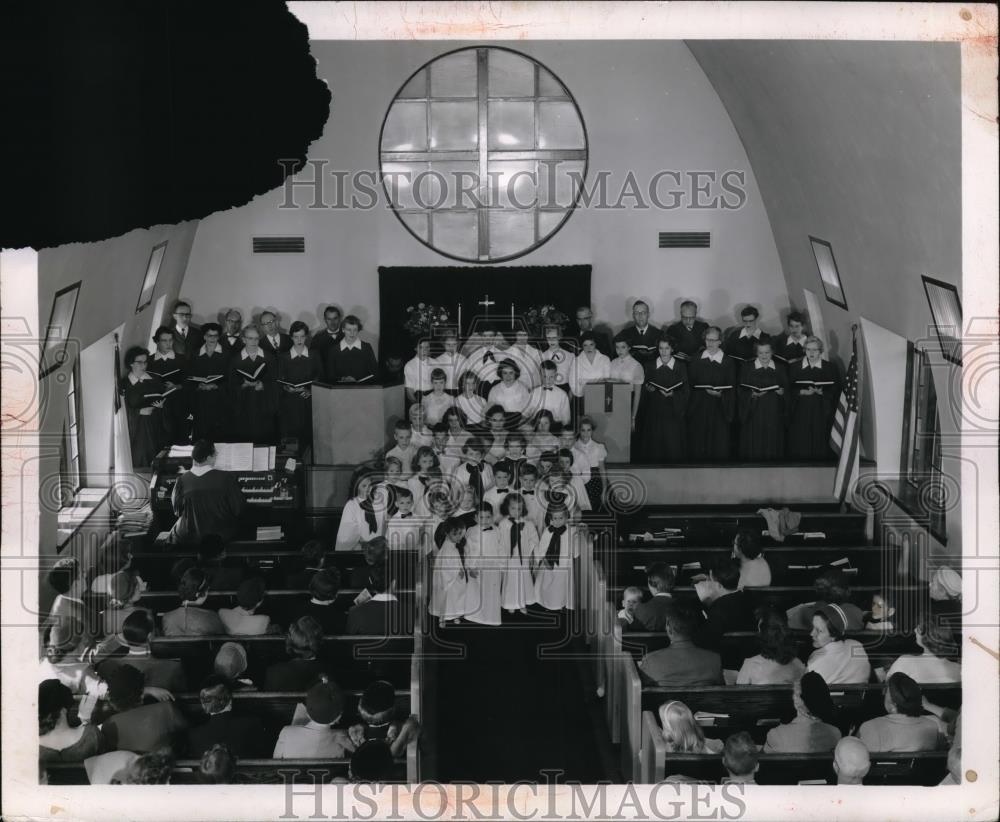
<point>585,323</point>
<point>190,619</point>
<point>726,607</point>
<point>231,340</point>
<point>331,334</point>
<point>642,336</point>
<point>134,726</point>
<point>273,340</point>
<point>651,615</point>
<point>682,663</point>
<point>245,736</point>
<point>131,647</point>
<point>381,615</point>
<point>688,334</point>
<point>187,337</point>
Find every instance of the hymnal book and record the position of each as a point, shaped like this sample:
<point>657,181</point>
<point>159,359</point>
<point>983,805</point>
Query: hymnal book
<point>810,534</point>
<point>363,597</point>
<point>255,374</point>
<point>816,383</point>
<point>715,387</point>
<point>234,456</point>
<point>206,380</point>
<point>738,357</point>
<point>263,458</point>
<point>760,388</point>
<point>163,394</point>
<point>691,566</point>
<point>663,387</point>
<point>783,359</point>
<point>296,384</point>
<point>180,451</point>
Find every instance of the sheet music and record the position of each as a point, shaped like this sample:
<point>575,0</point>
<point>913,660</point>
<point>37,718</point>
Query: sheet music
<point>263,458</point>
<point>234,456</point>
<point>180,451</point>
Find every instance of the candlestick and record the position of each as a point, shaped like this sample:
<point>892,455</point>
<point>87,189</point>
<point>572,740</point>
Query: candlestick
<point>459,319</point>
<point>512,316</point>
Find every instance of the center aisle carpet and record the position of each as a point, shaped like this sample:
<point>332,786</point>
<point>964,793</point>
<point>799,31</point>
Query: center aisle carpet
<point>504,712</point>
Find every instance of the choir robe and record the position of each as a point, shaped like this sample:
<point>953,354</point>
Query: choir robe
<point>762,420</point>
<point>810,418</point>
<point>231,344</point>
<point>453,365</point>
<point>642,345</point>
<point>322,341</point>
<point>564,361</point>
<point>554,585</point>
<point>488,558</point>
<point>788,350</point>
<point>294,410</point>
<point>584,371</point>
<point>449,582</point>
<point>357,361</point>
<point>688,342</point>
<point>177,407</point>
<point>210,402</point>
<point>518,586</point>
<point>710,419</point>
<point>147,433</point>
<point>660,429</point>
<point>743,348</point>
<point>513,399</point>
<point>251,411</point>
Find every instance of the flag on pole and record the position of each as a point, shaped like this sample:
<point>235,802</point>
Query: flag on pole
<point>845,437</point>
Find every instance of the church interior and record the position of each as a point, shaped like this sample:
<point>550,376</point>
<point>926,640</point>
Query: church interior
<point>749,185</point>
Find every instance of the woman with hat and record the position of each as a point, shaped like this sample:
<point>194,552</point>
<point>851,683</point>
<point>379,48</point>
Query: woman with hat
<point>316,739</point>
<point>933,664</point>
<point>813,729</point>
<point>905,727</point>
<point>64,736</point>
<point>838,660</point>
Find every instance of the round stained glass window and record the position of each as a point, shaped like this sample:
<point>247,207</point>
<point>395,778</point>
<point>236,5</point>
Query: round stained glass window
<point>483,154</point>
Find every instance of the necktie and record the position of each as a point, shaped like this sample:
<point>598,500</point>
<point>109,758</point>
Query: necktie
<point>369,512</point>
<point>423,480</point>
<point>404,516</point>
<point>532,493</point>
<point>274,342</point>
<point>515,539</point>
<point>547,387</point>
<point>475,479</point>
<point>555,545</point>
<point>460,547</point>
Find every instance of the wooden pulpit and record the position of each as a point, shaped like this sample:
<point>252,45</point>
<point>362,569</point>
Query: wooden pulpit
<point>609,405</point>
<point>353,423</point>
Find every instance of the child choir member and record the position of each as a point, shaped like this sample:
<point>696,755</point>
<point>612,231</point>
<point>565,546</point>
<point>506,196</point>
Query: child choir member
<point>360,521</point>
<point>741,344</point>
<point>509,393</point>
<point>404,530</point>
<point>404,450</point>
<point>548,398</point>
<point>426,478</point>
<point>352,359</point>
<point>534,509</point>
<point>557,355</point>
<point>519,541</point>
<point>514,459</point>
<point>469,400</point>
<point>297,371</point>
<point>172,371</point>
<point>812,403</point>
<point>487,558</point>
<point>457,434</point>
<point>762,405</point>
<point>542,439</point>
<point>495,436</point>
<point>451,362</point>
<point>625,367</point>
<point>595,454</point>
<point>420,433</point>
<point>483,360</point>
<point>417,372</point>
<point>473,472</point>
<point>554,561</point>
<point>498,493</point>
<point>590,365</point>
<point>207,374</point>
<point>440,445</point>
<point>144,404</point>
<point>252,390</point>
<point>450,578</point>
<point>528,360</point>
<point>438,400</point>
<point>712,402</point>
<point>658,421</point>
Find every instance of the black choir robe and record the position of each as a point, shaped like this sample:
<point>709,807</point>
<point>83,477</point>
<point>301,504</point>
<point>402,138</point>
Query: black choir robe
<point>323,340</point>
<point>762,419</point>
<point>643,346</point>
<point>710,418</point>
<point>252,412</point>
<point>788,352</point>
<point>210,403</point>
<point>294,410</point>
<point>660,427</point>
<point>358,363</point>
<point>743,348</point>
<point>572,341</point>
<point>186,347</point>
<point>811,416</point>
<point>231,344</point>
<point>177,407</point>
<point>147,432</point>
<point>284,344</point>
<point>689,343</point>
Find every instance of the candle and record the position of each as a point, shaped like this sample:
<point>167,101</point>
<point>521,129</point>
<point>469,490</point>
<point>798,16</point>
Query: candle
<point>512,315</point>
<point>459,319</point>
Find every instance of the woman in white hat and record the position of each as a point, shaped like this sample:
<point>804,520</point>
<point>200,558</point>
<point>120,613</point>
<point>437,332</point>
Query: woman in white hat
<point>838,660</point>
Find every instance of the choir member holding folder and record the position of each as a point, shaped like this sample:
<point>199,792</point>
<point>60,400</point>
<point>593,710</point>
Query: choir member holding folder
<point>815,389</point>
<point>712,405</point>
<point>742,341</point>
<point>658,424</point>
<point>252,391</point>
<point>352,359</point>
<point>144,400</point>
<point>298,368</point>
<point>172,370</point>
<point>763,405</point>
<point>207,379</point>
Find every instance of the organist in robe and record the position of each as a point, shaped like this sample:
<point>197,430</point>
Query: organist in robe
<point>763,407</point>
<point>207,378</point>
<point>659,422</point>
<point>144,407</point>
<point>712,404</point>
<point>812,407</point>
<point>172,370</point>
<point>252,391</point>
<point>298,369</point>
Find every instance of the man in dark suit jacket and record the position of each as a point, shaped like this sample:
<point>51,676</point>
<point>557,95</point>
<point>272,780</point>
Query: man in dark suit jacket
<point>584,323</point>
<point>331,334</point>
<point>244,735</point>
<point>727,608</point>
<point>231,339</point>
<point>272,339</point>
<point>381,615</point>
<point>688,335</point>
<point>187,337</point>
<point>683,663</point>
<point>137,727</point>
<point>642,336</point>
<point>651,615</point>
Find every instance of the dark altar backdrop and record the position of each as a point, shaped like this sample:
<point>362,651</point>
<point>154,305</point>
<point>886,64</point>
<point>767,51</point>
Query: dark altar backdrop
<point>564,286</point>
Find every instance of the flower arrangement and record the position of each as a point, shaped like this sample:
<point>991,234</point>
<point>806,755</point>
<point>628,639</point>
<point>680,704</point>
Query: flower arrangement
<point>537,317</point>
<point>423,318</point>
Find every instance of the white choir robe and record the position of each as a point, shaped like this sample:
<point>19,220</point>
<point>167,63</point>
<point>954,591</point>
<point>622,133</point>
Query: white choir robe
<point>453,365</point>
<point>585,371</point>
<point>529,360</point>
<point>569,497</point>
<point>536,508</point>
<point>485,555</point>
<point>461,475</point>
<point>483,366</point>
<point>421,507</point>
<point>498,448</point>
<point>354,528</point>
<point>564,363</point>
<point>473,408</point>
<point>518,588</point>
<point>417,374</point>
<point>421,438</point>
<point>435,407</point>
<point>554,586</point>
<point>513,399</point>
<point>447,462</point>
<point>539,444</point>
<point>554,400</point>
<point>495,496</point>
<point>405,534</point>
<point>456,442</point>
<point>449,584</point>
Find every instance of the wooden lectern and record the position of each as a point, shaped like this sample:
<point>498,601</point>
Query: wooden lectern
<point>352,423</point>
<point>609,405</point>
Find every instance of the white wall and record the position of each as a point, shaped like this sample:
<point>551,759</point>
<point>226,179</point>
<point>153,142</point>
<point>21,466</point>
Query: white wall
<point>647,107</point>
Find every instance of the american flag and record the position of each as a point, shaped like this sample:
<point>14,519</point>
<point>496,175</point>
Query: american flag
<point>845,437</point>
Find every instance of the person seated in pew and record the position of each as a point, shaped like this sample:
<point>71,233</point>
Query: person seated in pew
<point>754,569</point>
<point>631,599</point>
<point>879,618</point>
<point>932,665</point>
<point>905,727</point>
<point>851,761</point>
<point>190,619</point>
<point>839,661</point>
<point>299,570</point>
<point>371,763</point>
<point>726,607</point>
<point>374,551</point>
<point>323,604</point>
<point>302,644</point>
<point>777,663</point>
<point>739,758</point>
<point>116,556</point>
<point>682,663</point>
<point>72,626</point>
<point>682,734</point>
<point>831,589</point>
<point>360,521</point>
<point>217,766</point>
<point>954,776</point>
<point>243,619</point>
<point>312,736</point>
<point>205,500</point>
<point>153,768</point>
<point>377,709</point>
<point>244,735</point>
<point>381,614</point>
<point>352,360</point>
<point>134,726</point>
<point>224,573</point>
<point>813,729</point>
<point>231,664</point>
<point>65,733</point>
<point>126,589</point>
<point>101,769</point>
<point>651,615</point>
<point>131,646</point>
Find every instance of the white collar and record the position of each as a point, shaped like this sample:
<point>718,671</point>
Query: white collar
<point>132,378</point>
<point>314,601</point>
<point>744,333</point>
<point>245,355</point>
<point>642,330</point>
<point>344,345</point>
<point>200,470</point>
<point>230,336</point>
<point>669,364</point>
<point>203,351</point>
<point>168,356</point>
<point>716,357</point>
<point>182,331</point>
<point>293,353</point>
<point>806,363</point>
<point>796,340</point>
<point>274,337</point>
<point>336,333</point>
<point>225,710</point>
<point>758,364</point>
